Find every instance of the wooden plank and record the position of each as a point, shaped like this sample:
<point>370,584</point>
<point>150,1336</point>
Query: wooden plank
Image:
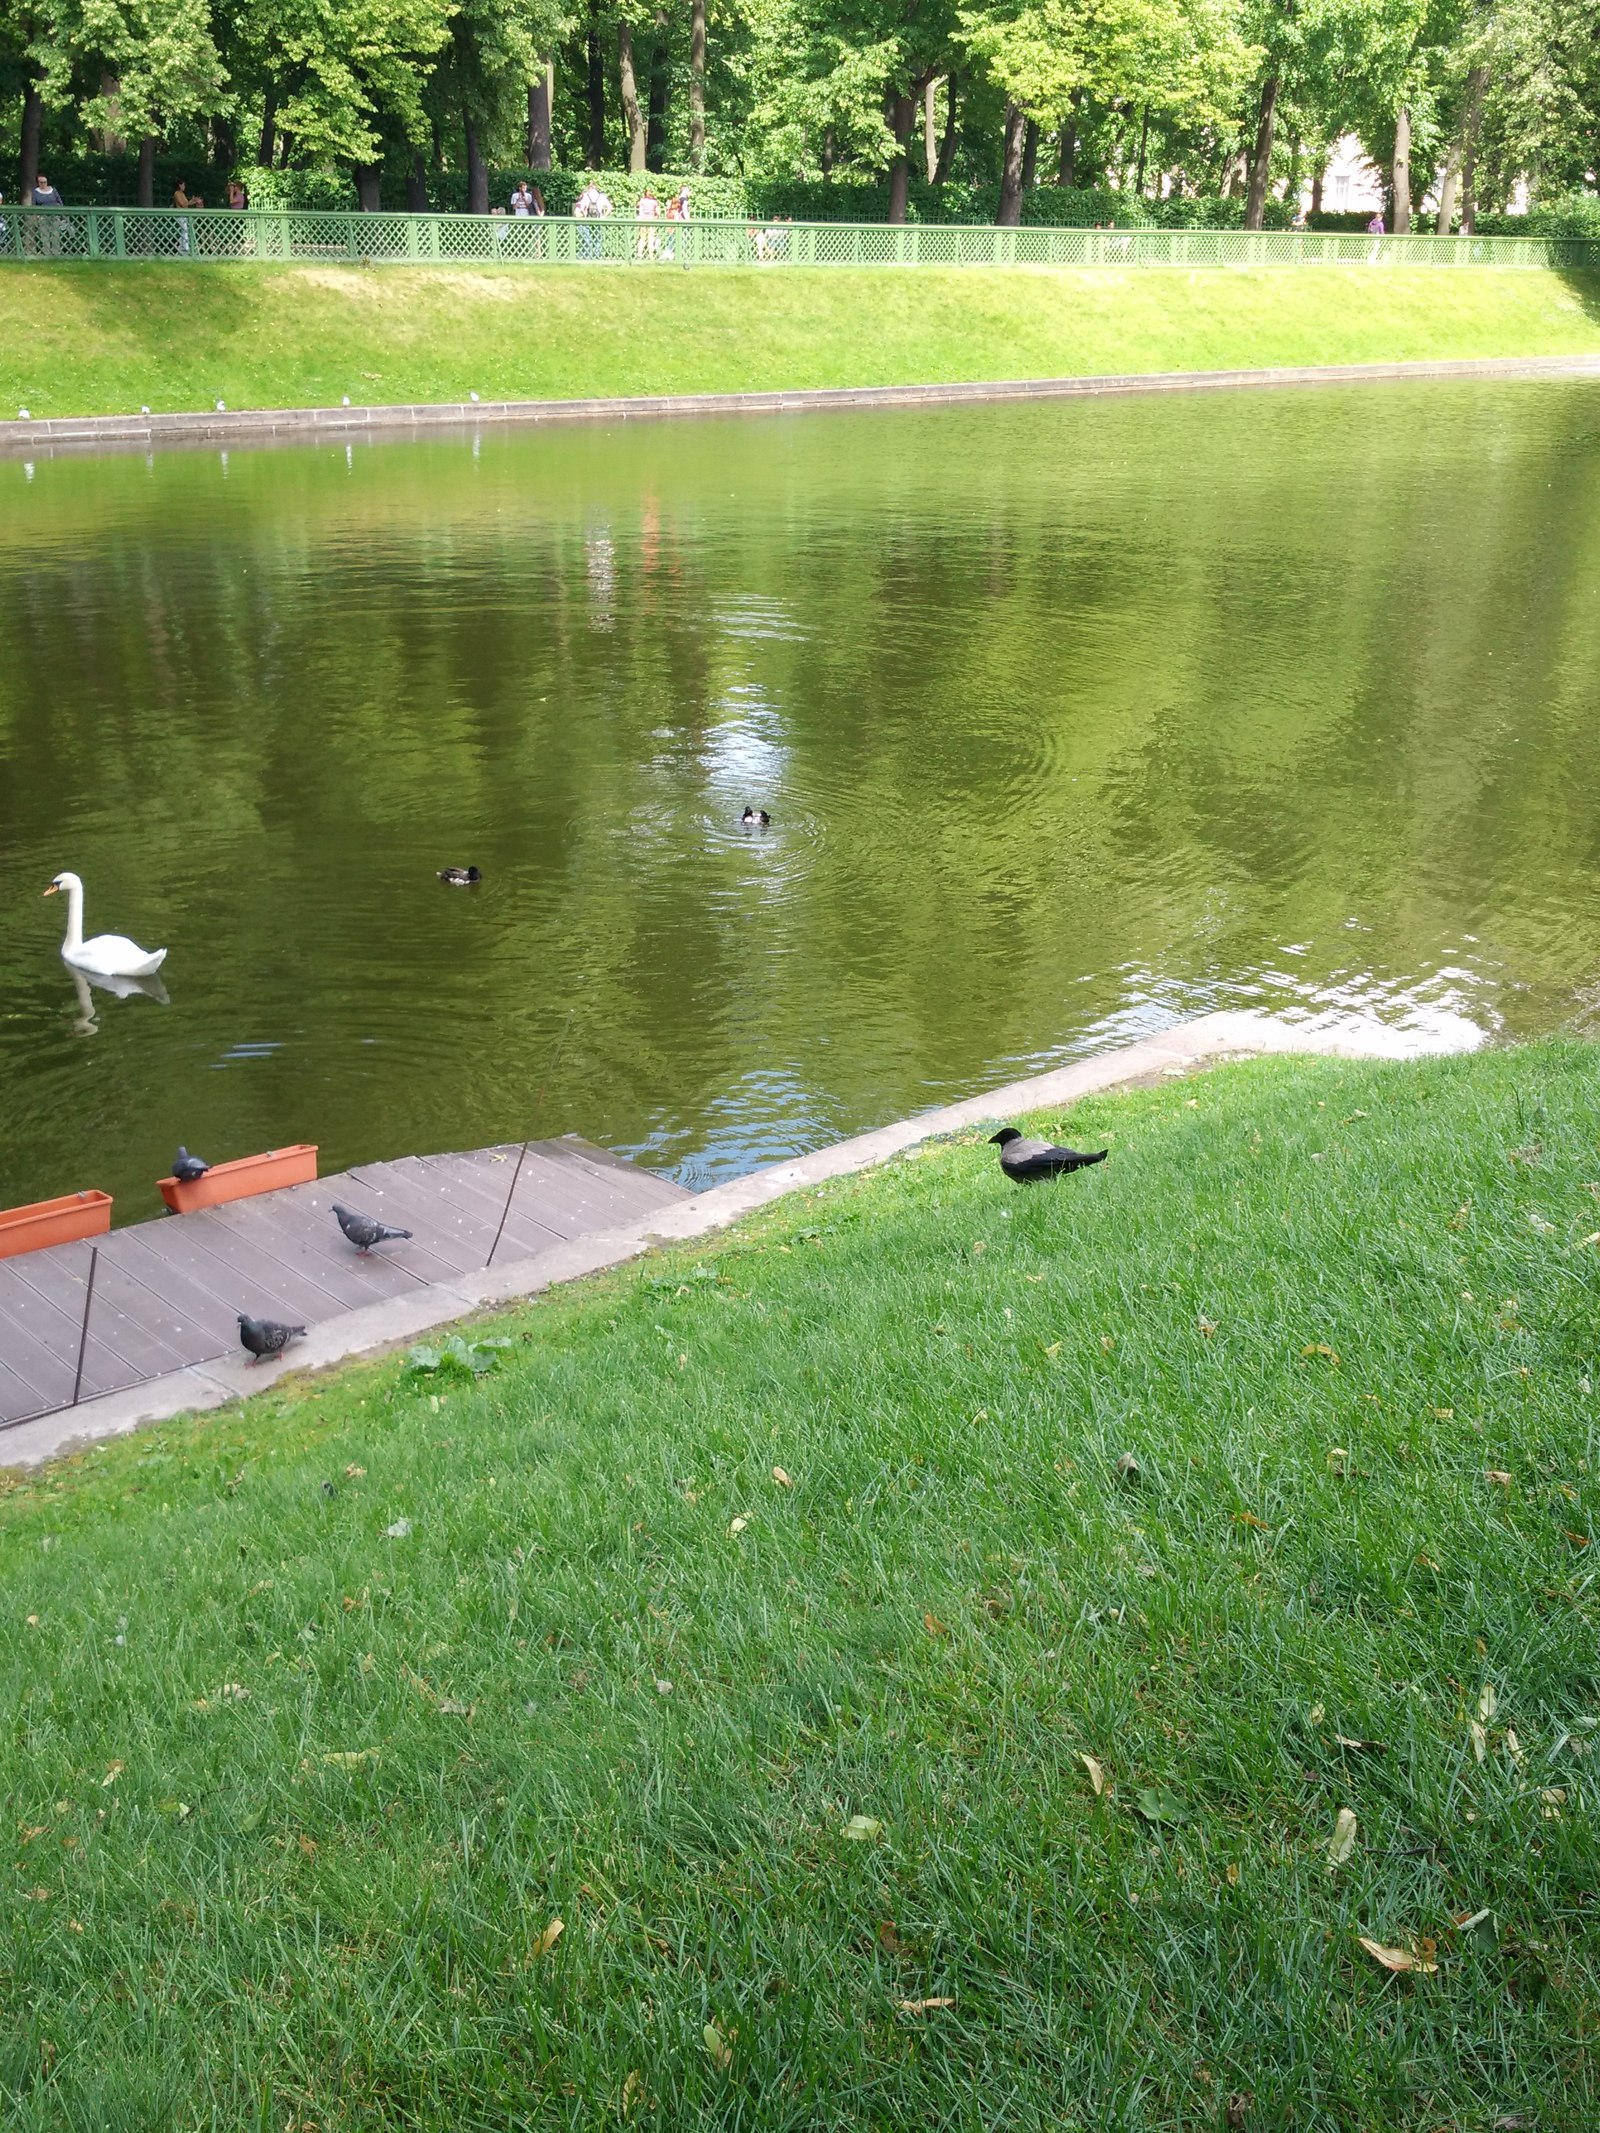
<point>307,1239</point>
<point>439,1190</point>
<point>168,1292</point>
<point>48,1367</point>
<point>239,1273</point>
<point>132,1323</point>
<point>646,1184</point>
<point>420,1258</point>
<point>460,1236</point>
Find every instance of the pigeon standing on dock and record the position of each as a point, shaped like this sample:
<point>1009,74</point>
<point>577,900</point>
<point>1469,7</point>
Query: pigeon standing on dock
<point>265,1338</point>
<point>186,1167</point>
<point>1024,1160</point>
<point>364,1231</point>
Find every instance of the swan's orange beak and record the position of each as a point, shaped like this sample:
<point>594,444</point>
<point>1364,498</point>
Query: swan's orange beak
<point>52,890</point>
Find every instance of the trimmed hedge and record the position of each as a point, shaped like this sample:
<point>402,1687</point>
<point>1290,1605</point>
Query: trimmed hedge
<point>113,181</point>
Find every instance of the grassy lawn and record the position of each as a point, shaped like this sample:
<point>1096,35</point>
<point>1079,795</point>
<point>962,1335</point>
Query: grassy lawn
<point>98,339</point>
<point>785,1620</point>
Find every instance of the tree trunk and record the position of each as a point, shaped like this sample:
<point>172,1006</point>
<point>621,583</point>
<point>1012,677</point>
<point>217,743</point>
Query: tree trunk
<point>539,120</point>
<point>655,148</point>
<point>1144,135</point>
<point>1030,155</point>
<point>901,112</point>
<point>1010,214</point>
<point>930,130</point>
<point>697,84</point>
<point>147,171</point>
<point>1067,170</point>
<point>417,185</point>
<point>947,147</point>
<point>1477,84</point>
<point>1255,205</point>
<point>1316,189</point>
<point>1402,171</point>
<point>477,168</point>
<point>827,151</point>
<point>108,139</point>
<point>595,155</point>
<point>632,114</point>
<point>269,130</point>
<point>369,178</point>
<point>32,131</point>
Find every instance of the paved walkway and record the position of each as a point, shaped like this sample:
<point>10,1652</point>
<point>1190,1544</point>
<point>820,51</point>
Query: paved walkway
<point>38,437</point>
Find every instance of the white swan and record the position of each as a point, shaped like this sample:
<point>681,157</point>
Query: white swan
<point>108,955</point>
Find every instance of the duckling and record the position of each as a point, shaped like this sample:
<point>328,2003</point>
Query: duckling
<point>755,818</point>
<point>460,877</point>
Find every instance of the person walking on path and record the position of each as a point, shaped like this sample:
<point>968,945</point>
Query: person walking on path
<point>592,205</point>
<point>1375,230</point>
<point>181,198</point>
<point>44,194</point>
<point>648,211</point>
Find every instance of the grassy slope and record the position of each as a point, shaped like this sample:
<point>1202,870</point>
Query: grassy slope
<point>107,340</point>
<point>293,1801</point>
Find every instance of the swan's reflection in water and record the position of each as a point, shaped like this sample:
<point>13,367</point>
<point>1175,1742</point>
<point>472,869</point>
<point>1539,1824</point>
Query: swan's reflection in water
<point>86,1022</point>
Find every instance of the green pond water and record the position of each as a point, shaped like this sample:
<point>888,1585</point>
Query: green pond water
<point>1072,721</point>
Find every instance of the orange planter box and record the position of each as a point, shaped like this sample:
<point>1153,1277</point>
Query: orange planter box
<point>242,1179</point>
<point>63,1221</point>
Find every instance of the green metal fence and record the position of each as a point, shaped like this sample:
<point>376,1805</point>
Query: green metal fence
<point>195,235</point>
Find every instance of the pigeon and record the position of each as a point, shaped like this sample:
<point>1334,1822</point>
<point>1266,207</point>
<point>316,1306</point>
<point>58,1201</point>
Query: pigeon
<point>460,877</point>
<point>755,818</point>
<point>1024,1160</point>
<point>264,1337</point>
<point>186,1167</point>
<point>364,1231</point>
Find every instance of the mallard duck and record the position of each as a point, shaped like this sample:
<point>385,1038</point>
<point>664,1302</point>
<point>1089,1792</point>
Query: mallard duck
<point>756,818</point>
<point>460,877</point>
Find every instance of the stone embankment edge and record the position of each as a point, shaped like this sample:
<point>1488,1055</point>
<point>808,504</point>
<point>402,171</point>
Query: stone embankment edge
<point>378,1328</point>
<point>238,426</point>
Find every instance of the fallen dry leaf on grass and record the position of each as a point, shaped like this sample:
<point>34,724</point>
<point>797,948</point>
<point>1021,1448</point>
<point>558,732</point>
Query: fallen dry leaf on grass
<point>1239,2109</point>
<point>1401,1959</point>
<point>548,1938</point>
<point>1321,1348</point>
<point>922,2006</point>
<point>1498,1475</point>
<point>632,2088</point>
<point>113,1772</point>
<point>737,1525</point>
<point>860,1828</point>
<point>1249,1518</point>
<point>1343,1841</point>
<point>1097,1776</point>
<point>1338,1461</point>
<point>1488,1702</point>
<point>889,1939</point>
<point>781,1478</point>
<point>349,1758</point>
<point>934,1626</point>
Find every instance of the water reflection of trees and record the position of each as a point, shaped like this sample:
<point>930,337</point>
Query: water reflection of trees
<point>1060,704</point>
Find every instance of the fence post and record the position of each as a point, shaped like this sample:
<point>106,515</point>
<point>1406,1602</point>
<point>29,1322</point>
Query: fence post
<point>93,232</point>
<point>350,251</point>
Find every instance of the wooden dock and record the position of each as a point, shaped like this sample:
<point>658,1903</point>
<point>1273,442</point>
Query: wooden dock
<point>167,1293</point>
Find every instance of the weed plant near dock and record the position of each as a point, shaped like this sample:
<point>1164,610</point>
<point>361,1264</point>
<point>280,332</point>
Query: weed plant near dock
<point>910,1662</point>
